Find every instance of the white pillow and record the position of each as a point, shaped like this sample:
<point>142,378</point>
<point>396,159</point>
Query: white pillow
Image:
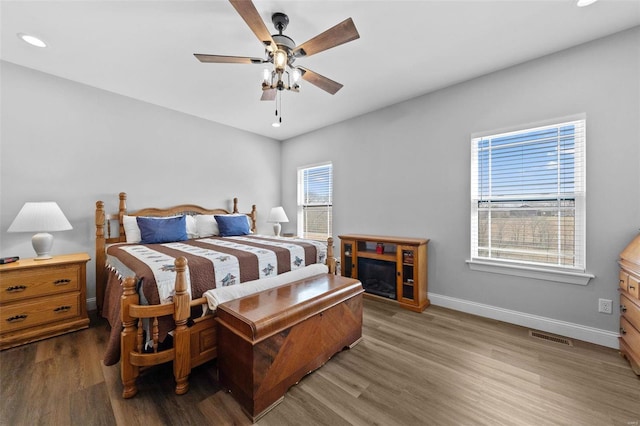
<point>206,225</point>
<point>131,230</point>
<point>192,227</point>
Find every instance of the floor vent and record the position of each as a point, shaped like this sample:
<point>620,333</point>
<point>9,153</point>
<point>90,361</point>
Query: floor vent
<point>550,337</point>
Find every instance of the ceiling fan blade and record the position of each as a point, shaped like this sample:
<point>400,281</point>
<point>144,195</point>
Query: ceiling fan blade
<point>249,13</point>
<point>221,59</point>
<point>268,95</point>
<point>320,81</point>
<point>339,34</point>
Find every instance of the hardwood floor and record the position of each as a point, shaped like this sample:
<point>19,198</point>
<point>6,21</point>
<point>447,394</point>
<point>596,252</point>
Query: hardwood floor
<point>440,367</point>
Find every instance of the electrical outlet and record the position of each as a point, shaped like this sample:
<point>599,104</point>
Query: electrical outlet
<point>605,306</point>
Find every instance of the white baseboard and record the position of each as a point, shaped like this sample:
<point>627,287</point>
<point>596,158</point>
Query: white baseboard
<point>91,304</point>
<point>550,325</point>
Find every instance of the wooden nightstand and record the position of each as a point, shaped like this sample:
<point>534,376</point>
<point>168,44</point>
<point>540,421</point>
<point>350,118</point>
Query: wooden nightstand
<point>42,298</point>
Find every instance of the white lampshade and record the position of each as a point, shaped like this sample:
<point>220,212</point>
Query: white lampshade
<point>277,215</point>
<point>40,217</point>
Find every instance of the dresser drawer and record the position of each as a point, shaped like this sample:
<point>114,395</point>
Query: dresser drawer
<point>633,286</point>
<point>623,278</point>
<point>630,310</point>
<point>32,313</point>
<point>24,284</point>
<point>630,335</point>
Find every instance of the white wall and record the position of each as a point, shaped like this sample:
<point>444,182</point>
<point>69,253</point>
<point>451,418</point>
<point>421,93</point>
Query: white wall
<point>404,171</point>
<point>70,143</point>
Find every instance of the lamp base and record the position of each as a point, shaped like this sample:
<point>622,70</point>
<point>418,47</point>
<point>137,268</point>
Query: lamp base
<point>276,229</point>
<point>42,244</point>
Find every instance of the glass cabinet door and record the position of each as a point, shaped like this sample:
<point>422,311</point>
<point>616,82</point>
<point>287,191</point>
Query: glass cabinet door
<point>406,273</point>
<point>348,265</point>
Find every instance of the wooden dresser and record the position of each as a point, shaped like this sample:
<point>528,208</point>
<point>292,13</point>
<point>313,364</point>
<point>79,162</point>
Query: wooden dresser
<point>630,303</point>
<point>42,298</point>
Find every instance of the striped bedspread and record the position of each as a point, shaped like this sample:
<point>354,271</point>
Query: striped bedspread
<point>212,262</point>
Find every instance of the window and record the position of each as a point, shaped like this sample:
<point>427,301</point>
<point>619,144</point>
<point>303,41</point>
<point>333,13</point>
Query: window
<point>528,197</point>
<point>315,199</point>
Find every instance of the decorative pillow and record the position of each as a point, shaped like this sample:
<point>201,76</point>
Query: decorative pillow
<point>242,215</point>
<point>162,230</point>
<point>192,227</point>
<point>206,225</point>
<point>232,225</point>
<point>131,230</point>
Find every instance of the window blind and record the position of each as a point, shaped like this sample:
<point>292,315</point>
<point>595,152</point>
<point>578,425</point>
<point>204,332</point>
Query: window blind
<point>315,201</point>
<point>528,196</point>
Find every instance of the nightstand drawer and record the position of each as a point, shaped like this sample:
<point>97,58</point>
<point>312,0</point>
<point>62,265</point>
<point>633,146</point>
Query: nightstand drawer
<point>24,284</point>
<point>18,316</point>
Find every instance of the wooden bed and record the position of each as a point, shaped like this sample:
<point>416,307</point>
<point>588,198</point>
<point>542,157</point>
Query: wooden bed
<point>194,337</point>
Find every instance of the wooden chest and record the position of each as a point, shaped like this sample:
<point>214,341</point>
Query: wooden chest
<point>629,283</point>
<point>268,341</point>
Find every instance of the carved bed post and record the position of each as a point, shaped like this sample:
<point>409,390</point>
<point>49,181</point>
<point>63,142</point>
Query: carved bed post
<point>128,372</point>
<point>254,217</point>
<point>182,336</point>
<point>331,260</point>
<point>235,205</point>
<point>100,256</point>
<point>122,210</point>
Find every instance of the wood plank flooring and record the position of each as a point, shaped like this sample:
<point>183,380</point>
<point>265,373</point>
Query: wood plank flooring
<point>440,367</point>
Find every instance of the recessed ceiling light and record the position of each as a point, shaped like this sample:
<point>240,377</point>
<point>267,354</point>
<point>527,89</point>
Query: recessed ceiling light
<point>32,40</point>
<point>583,3</point>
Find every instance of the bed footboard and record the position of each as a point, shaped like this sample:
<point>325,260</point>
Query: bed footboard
<point>192,346</point>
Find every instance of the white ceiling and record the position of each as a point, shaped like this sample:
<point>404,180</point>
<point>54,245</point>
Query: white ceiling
<point>144,50</point>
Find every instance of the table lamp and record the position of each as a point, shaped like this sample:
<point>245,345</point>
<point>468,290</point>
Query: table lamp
<point>277,215</point>
<point>40,217</point>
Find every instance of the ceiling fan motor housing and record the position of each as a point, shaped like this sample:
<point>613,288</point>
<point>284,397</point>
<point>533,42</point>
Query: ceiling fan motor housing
<point>285,43</point>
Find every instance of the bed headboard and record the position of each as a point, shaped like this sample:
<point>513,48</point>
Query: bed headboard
<point>107,224</point>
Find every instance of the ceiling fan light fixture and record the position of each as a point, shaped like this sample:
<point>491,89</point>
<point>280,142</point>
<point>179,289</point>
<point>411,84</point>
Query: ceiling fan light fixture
<point>280,59</point>
<point>32,40</point>
<point>296,74</point>
<point>266,75</point>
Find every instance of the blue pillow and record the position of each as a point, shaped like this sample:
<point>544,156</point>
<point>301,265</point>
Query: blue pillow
<point>230,226</point>
<point>162,230</point>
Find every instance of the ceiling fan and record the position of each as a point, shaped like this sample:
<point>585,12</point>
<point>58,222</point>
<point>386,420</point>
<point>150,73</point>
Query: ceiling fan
<point>281,51</point>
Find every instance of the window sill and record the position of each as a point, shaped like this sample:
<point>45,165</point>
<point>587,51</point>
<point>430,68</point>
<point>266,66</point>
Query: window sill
<point>567,277</point>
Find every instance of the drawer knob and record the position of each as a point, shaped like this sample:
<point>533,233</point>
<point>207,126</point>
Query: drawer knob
<point>623,331</point>
<point>623,308</point>
<point>16,288</point>
<point>632,287</point>
<point>62,309</point>
<point>17,318</point>
<point>62,282</point>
